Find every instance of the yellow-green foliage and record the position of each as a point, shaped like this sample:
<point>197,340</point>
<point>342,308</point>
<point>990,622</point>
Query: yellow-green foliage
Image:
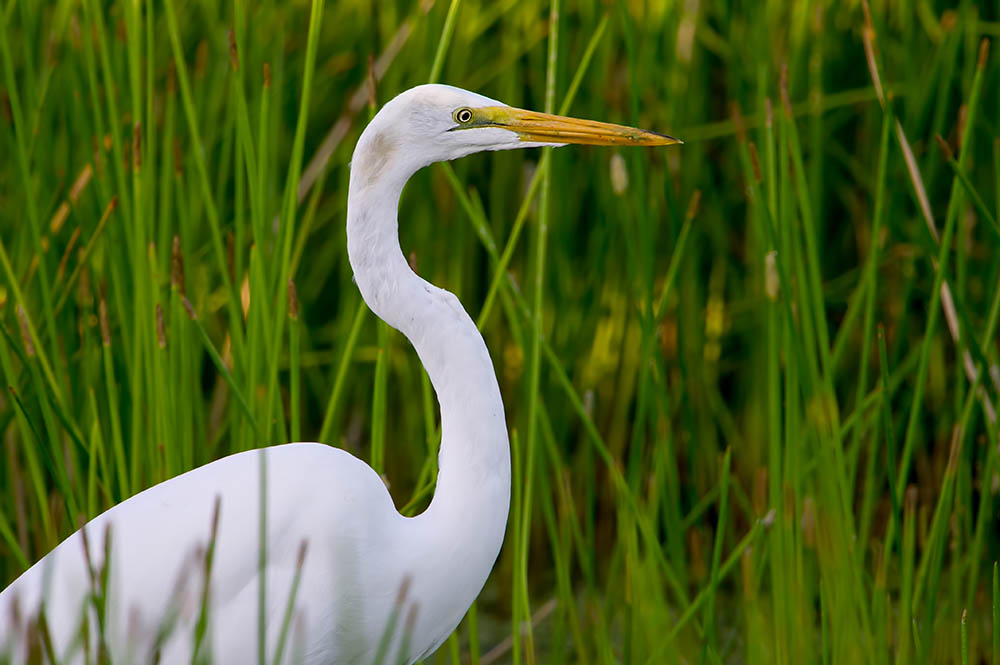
<point>744,376</point>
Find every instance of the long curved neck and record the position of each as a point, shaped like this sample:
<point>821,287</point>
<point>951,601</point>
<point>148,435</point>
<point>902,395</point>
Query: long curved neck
<point>473,484</point>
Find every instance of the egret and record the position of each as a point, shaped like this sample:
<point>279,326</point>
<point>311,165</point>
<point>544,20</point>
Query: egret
<point>372,584</point>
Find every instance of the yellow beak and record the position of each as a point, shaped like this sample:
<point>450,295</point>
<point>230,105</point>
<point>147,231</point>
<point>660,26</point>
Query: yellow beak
<point>538,127</point>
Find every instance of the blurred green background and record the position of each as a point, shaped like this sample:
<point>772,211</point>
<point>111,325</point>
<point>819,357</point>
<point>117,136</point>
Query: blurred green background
<point>755,426</point>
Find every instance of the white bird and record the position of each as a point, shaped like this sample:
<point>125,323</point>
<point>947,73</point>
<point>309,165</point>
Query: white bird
<point>374,585</point>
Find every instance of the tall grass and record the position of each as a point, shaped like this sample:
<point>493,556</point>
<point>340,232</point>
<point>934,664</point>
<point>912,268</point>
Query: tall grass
<point>751,382</point>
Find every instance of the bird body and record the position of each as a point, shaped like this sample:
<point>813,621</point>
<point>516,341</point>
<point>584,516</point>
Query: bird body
<point>357,544</point>
<point>372,585</point>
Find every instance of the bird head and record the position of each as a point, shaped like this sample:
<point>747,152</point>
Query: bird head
<point>435,123</point>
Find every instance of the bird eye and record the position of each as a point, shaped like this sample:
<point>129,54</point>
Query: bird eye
<point>463,116</point>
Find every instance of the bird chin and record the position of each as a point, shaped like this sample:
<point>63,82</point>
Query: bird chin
<point>539,144</point>
<point>517,145</point>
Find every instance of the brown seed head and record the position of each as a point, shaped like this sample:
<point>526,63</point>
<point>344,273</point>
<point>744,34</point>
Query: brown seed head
<point>136,146</point>
<point>177,266</point>
<point>59,218</point>
<point>786,102</point>
<point>102,315</point>
<point>372,99</point>
<point>161,336</point>
<point>741,128</point>
<point>200,59</point>
<point>963,116</point>
<point>81,182</point>
<point>755,162</point>
<point>231,255</point>
<point>178,158</point>
<point>22,319</point>
<point>404,589</point>
<point>234,54</point>
<point>945,148</point>
<point>293,301</point>
<point>694,204</point>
